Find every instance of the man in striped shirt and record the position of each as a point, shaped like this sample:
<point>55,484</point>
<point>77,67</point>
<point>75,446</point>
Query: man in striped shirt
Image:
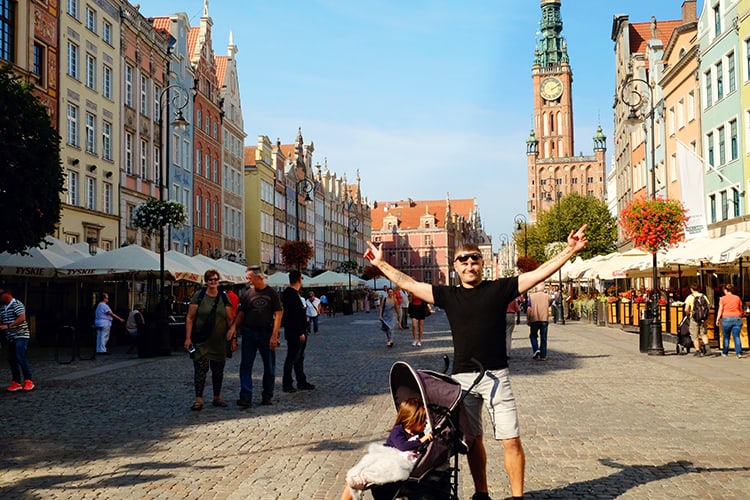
<point>15,330</point>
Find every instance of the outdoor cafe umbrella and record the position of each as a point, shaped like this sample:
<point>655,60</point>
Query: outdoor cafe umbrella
<point>332,279</point>
<point>35,263</point>
<point>230,272</point>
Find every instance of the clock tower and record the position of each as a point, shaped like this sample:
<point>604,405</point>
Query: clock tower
<point>554,169</point>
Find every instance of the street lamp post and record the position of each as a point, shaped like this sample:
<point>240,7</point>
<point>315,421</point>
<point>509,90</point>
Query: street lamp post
<point>303,186</point>
<point>352,228</point>
<point>632,95</point>
<point>180,101</point>
<point>521,219</point>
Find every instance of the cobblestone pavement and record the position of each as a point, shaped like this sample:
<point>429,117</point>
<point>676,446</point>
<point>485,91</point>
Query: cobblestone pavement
<point>598,420</point>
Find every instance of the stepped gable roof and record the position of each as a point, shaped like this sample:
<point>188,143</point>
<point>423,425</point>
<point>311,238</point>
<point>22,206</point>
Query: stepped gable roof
<point>250,155</point>
<point>640,34</point>
<point>410,211</point>
<point>221,68</point>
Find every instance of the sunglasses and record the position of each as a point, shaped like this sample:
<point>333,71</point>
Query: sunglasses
<point>212,279</point>
<point>475,257</point>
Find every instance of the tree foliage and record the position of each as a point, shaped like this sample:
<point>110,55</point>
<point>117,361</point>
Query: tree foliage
<point>31,175</point>
<point>574,211</point>
<point>296,254</point>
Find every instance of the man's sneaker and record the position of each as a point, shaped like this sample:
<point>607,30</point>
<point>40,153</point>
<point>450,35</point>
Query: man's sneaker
<point>15,386</point>
<point>244,403</point>
<point>28,385</point>
<point>414,344</point>
<point>698,354</point>
<point>305,387</point>
<point>537,354</point>
<point>723,355</point>
<point>289,389</point>
<point>419,344</point>
<point>480,496</point>
<point>266,401</point>
<point>739,356</point>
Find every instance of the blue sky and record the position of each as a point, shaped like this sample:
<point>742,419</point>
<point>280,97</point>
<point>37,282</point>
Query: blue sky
<point>424,97</point>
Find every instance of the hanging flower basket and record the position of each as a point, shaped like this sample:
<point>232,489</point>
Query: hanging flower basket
<point>654,224</point>
<point>152,216</point>
<point>526,264</point>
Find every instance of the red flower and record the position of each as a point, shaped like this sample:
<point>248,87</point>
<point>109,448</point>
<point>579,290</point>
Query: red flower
<point>654,224</point>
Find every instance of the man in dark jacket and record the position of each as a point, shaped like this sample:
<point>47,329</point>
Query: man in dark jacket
<point>295,333</point>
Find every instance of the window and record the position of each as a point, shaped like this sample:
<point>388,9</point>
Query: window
<point>216,217</point>
<point>144,95</point>
<point>731,72</point>
<point>90,19</point>
<point>90,193</point>
<point>710,148</point>
<point>107,197</point>
<point>208,124</point>
<point>681,114</point>
<point>671,121</point>
<point>717,19</point>
<point>106,140</point>
<point>40,51</point>
<point>8,30</point>
<point>712,204</point>
<point>90,133</point>
<point>736,202</point>
<point>73,8</point>
<point>72,188</point>
<point>73,125</point>
<point>216,171</point>
<point>747,59</point>
<point>198,159</point>
<point>216,131</point>
<point>722,146</point>
<point>128,85</point>
<point>574,180</point>
<point>144,160</point>
<point>199,120</point>
<point>107,82</point>
<point>709,89</point>
<point>691,106</point>
<point>90,71</point>
<point>427,239</point>
<point>107,32</point>
<point>207,225</point>
<point>733,149</point>
<point>208,167</point>
<point>590,180</point>
<point>128,153</point>
<point>719,81</point>
<point>724,206</point>
<point>73,60</point>
<point>198,207</point>
<point>157,106</point>
<point>157,165</point>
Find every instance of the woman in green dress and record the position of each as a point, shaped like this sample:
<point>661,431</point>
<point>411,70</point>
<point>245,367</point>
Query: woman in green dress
<point>210,353</point>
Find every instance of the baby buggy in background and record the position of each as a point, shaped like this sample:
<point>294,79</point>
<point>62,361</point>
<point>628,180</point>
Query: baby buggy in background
<point>433,477</point>
<point>684,343</point>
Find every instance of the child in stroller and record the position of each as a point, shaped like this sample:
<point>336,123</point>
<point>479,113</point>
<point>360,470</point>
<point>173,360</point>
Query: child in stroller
<point>394,460</point>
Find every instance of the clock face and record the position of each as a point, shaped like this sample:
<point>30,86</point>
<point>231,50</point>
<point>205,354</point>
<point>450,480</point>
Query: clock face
<point>551,88</point>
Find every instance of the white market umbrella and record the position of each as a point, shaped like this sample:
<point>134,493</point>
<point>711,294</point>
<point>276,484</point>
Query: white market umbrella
<point>332,278</point>
<point>379,283</point>
<point>37,263</point>
<point>230,272</point>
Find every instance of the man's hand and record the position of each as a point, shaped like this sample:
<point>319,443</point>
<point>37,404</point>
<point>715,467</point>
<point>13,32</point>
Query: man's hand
<point>577,240</point>
<point>374,254</point>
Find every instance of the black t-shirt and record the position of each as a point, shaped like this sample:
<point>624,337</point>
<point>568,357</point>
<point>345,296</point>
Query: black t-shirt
<point>295,319</point>
<point>477,319</point>
<point>259,307</point>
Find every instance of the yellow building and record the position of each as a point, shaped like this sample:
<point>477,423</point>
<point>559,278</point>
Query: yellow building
<point>259,181</point>
<point>90,122</point>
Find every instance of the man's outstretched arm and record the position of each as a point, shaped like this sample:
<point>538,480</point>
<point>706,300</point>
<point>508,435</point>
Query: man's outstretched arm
<point>422,290</point>
<point>576,242</point>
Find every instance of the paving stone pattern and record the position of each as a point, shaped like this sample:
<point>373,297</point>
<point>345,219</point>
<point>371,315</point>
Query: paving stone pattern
<point>598,420</point>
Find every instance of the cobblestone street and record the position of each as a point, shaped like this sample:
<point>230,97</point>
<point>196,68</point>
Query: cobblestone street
<point>598,420</point>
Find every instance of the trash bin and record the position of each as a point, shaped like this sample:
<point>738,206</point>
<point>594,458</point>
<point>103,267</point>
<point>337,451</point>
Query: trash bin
<point>348,308</point>
<point>643,329</point>
<point>155,338</point>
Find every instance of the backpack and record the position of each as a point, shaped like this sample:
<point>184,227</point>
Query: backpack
<point>700,308</point>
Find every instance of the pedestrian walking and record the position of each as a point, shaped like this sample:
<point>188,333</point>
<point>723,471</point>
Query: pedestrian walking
<point>511,312</point>
<point>296,330</point>
<point>103,316</point>
<point>730,318</point>
<point>417,313</point>
<point>389,311</point>
<point>697,309</point>
<point>259,321</point>
<point>478,332</point>
<point>206,335</point>
<point>404,302</point>
<point>135,324</point>
<point>312,309</point>
<point>15,334</point>
<point>537,316</point>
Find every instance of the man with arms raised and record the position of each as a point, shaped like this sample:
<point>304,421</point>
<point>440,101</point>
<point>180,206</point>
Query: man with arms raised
<point>476,313</point>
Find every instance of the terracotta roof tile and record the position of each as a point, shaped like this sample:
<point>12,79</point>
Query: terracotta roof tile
<point>250,155</point>
<point>640,34</point>
<point>193,40</point>
<point>160,23</point>
<point>221,68</point>
<point>409,212</point>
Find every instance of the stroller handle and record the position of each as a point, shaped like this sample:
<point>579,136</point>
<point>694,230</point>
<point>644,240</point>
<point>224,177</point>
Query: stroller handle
<point>480,369</point>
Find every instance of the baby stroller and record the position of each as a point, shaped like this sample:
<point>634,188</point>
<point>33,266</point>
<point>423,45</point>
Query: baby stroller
<point>434,477</point>
<point>684,344</point>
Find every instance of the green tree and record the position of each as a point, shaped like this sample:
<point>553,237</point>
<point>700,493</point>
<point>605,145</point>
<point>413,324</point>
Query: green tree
<point>574,211</point>
<point>31,176</point>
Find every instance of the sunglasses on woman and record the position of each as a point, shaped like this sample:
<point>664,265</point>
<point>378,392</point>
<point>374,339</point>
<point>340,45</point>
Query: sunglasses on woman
<point>475,257</point>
